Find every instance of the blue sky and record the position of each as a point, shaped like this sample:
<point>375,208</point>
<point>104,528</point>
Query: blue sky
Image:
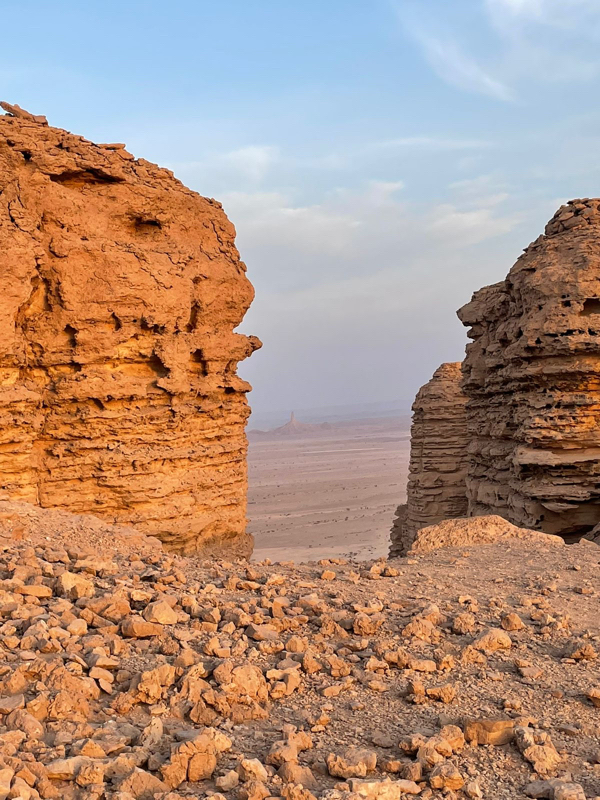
<point>381,160</point>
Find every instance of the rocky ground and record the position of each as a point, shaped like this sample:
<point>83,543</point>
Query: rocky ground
<point>127,673</point>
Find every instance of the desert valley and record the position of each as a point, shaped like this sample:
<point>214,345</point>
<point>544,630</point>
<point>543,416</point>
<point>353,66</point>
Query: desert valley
<point>410,612</point>
<point>321,492</point>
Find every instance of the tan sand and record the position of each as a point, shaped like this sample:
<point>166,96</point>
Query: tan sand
<point>327,494</point>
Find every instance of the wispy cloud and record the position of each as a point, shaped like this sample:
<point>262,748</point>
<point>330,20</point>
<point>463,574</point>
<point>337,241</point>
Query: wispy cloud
<point>556,13</point>
<point>531,8</point>
<point>431,143</point>
<point>457,68</point>
<point>526,42</point>
<point>361,230</point>
<point>252,161</point>
<point>445,55</point>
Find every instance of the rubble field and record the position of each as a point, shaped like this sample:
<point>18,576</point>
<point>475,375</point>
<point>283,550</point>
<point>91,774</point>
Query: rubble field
<point>457,671</point>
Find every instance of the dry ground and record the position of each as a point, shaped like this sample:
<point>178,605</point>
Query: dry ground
<point>99,701</point>
<point>328,494</point>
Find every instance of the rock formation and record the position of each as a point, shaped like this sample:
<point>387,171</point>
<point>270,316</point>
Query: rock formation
<point>293,428</point>
<point>533,382</point>
<point>438,451</point>
<point>475,531</point>
<point>121,291</point>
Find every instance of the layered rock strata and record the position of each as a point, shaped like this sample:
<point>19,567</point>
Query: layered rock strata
<point>532,376</point>
<point>438,451</point>
<point>121,292</point>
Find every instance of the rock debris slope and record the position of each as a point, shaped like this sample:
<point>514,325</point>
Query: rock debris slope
<point>121,290</point>
<point>533,382</point>
<point>438,452</point>
<point>127,672</point>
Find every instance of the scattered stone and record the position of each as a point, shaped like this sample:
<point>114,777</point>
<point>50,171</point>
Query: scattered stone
<point>354,762</point>
<point>489,731</point>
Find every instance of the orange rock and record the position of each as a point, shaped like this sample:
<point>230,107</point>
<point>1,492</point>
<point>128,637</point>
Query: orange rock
<point>438,454</point>
<point>121,294</point>
<point>530,375</point>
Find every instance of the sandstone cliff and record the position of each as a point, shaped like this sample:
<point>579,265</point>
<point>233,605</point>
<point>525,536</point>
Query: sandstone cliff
<point>121,291</point>
<point>532,378</point>
<point>438,451</point>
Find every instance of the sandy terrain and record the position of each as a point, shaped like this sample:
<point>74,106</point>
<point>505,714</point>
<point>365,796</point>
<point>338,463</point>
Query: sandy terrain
<point>327,494</point>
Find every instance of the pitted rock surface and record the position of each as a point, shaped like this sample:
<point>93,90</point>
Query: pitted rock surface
<point>121,292</point>
<point>531,376</point>
<point>438,452</point>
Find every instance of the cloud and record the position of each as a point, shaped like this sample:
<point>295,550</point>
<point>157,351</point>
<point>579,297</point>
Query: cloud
<point>457,68</point>
<point>444,54</point>
<point>531,8</point>
<point>358,232</point>
<point>527,42</point>
<point>284,232</point>
<point>356,294</point>
<point>547,12</point>
<point>462,228</point>
<point>431,143</point>
<point>547,40</point>
<point>482,191</point>
<point>252,161</point>
<point>248,166</point>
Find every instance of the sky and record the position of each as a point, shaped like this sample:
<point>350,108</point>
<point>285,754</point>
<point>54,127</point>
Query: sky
<point>380,159</point>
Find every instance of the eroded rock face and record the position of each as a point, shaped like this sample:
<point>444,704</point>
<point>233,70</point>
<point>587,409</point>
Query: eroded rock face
<point>121,291</point>
<point>438,451</point>
<point>533,382</point>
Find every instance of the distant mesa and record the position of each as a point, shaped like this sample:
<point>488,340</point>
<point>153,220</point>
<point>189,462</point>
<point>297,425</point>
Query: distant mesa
<point>293,428</point>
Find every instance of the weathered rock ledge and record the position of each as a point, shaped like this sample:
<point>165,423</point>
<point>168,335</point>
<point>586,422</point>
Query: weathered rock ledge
<point>531,377</point>
<point>438,455</point>
<point>121,292</point>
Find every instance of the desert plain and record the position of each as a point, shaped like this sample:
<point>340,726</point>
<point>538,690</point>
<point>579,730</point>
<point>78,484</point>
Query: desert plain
<point>329,492</point>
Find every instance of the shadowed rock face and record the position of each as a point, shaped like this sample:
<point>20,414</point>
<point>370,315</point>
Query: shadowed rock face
<point>438,451</point>
<point>532,376</point>
<point>121,289</point>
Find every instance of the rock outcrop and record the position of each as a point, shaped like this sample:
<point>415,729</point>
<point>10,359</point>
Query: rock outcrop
<point>121,291</point>
<point>533,382</point>
<point>438,452</point>
<point>469,531</point>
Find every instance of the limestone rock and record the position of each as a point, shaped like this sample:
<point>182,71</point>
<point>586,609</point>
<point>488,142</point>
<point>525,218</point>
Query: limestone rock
<point>555,789</point>
<point>161,613</point>
<point>530,376</point>
<point>538,749</point>
<point>142,785</point>
<point>446,776</point>
<point>118,388</point>
<point>383,790</point>
<point>354,762</point>
<point>492,640</point>
<point>438,452</point>
<point>489,731</point>
<point>593,695</point>
<point>469,531</point>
